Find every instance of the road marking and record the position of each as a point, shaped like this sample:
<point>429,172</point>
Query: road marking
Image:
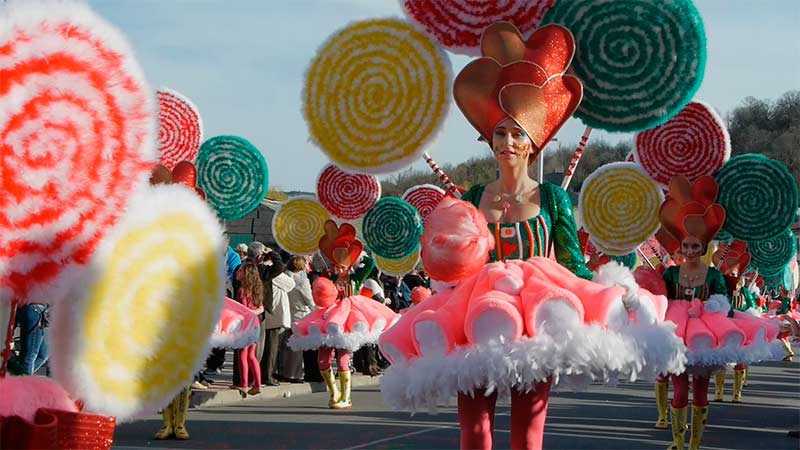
<point>400,436</point>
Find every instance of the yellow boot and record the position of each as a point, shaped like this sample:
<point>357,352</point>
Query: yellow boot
<point>738,383</point>
<point>330,381</point>
<point>661,403</point>
<point>699,418</point>
<point>678,428</point>
<point>787,349</point>
<point>719,385</point>
<point>346,382</point>
<point>181,408</point>
<point>746,372</point>
<point>166,431</point>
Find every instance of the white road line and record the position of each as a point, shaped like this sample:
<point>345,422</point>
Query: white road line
<point>399,436</point>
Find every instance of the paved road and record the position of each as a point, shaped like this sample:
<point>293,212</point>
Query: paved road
<point>600,418</point>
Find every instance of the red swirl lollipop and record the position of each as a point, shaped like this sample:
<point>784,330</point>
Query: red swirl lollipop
<point>76,120</point>
<point>459,24</point>
<point>347,196</point>
<point>693,143</point>
<point>180,128</point>
<point>425,198</point>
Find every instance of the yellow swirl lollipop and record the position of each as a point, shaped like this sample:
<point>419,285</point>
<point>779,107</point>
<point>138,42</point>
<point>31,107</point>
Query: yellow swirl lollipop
<point>299,224</point>
<point>619,206</point>
<point>376,94</point>
<point>398,267</point>
<point>135,332</point>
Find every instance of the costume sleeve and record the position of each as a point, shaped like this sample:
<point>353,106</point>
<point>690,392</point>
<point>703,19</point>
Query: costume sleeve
<point>473,195</point>
<point>671,279</point>
<point>565,234</point>
<point>717,285</point>
<point>361,274</point>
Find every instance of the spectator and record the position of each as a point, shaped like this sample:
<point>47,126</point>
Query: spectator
<point>216,359</point>
<point>278,315</point>
<point>366,358</point>
<point>301,304</point>
<point>241,250</point>
<point>251,295</point>
<point>33,322</point>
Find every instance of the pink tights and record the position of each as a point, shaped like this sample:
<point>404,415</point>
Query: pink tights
<point>325,357</point>
<point>248,360</point>
<point>528,414</point>
<point>680,390</point>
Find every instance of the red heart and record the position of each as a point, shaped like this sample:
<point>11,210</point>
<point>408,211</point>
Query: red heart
<point>339,243</point>
<point>551,46</point>
<point>185,173</point>
<point>509,249</point>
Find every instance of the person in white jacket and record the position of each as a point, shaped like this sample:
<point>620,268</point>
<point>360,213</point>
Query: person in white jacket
<point>301,304</point>
<point>278,319</point>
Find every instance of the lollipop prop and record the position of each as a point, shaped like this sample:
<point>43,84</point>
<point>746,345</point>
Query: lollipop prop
<point>576,157</point>
<point>448,183</point>
<point>644,257</point>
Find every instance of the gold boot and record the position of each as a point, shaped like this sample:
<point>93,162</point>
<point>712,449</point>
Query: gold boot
<point>181,408</point>
<point>330,381</point>
<point>719,385</point>
<point>738,383</point>
<point>678,428</point>
<point>787,349</point>
<point>345,382</point>
<point>699,418</point>
<point>166,431</point>
<point>746,372</point>
<point>661,404</point>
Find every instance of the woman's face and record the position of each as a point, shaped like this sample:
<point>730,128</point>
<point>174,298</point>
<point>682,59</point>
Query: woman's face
<point>511,144</point>
<point>691,248</point>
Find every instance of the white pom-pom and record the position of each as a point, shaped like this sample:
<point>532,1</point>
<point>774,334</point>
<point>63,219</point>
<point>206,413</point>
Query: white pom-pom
<point>717,304</point>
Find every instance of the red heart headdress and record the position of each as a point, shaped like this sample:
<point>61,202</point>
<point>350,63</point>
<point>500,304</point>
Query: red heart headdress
<point>690,211</point>
<point>340,244</point>
<point>523,80</point>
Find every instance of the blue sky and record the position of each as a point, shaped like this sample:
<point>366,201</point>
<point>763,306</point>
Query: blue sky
<point>242,63</point>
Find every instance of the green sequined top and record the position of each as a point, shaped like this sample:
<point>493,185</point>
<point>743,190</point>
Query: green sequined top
<point>533,237</point>
<point>714,284</point>
<point>745,299</point>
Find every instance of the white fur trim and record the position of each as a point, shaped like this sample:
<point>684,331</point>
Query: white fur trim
<point>751,354</point>
<point>717,303</point>
<point>348,341</point>
<point>234,341</point>
<point>755,312</point>
<point>573,356</point>
<point>615,274</point>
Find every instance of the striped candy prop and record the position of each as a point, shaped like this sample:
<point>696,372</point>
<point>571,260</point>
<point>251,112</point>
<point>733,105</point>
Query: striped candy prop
<point>619,207</point>
<point>392,228</point>
<point>451,187</point>
<point>398,267</point>
<point>693,143</point>
<point>136,330</point>
<point>180,128</point>
<point>424,198</point>
<point>723,236</point>
<point>299,224</point>
<point>576,158</point>
<point>233,175</point>
<point>376,94</point>
<point>347,196</point>
<point>76,136</point>
<point>770,256</point>
<point>640,61</point>
<point>459,24</point>
<point>759,195</point>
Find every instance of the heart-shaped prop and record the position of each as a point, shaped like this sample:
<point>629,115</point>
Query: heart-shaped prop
<point>551,46</point>
<point>339,244</point>
<point>185,173</point>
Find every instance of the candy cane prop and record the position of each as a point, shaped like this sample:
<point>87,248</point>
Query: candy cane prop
<point>645,258</point>
<point>576,157</point>
<point>448,183</point>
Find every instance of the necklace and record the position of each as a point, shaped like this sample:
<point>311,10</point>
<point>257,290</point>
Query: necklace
<point>502,199</point>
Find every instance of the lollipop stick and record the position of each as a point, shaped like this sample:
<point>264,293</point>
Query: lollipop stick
<point>723,256</point>
<point>9,337</point>
<point>448,183</point>
<point>645,258</point>
<point>656,252</point>
<point>576,157</point>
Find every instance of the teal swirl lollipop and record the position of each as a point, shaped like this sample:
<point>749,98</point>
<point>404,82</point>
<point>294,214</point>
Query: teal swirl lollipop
<point>233,174</point>
<point>392,228</point>
<point>770,256</point>
<point>759,196</point>
<point>723,236</point>
<point>640,61</point>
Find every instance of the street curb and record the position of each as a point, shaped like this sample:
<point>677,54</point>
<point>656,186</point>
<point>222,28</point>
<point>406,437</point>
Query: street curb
<point>227,397</point>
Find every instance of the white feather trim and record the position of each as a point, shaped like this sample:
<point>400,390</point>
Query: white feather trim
<point>234,341</point>
<point>717,303</point>
<point>751,354</point>
<point>348,341</point>
<point>615,274</point>
<point>572,356</point>
<point>755,312</point>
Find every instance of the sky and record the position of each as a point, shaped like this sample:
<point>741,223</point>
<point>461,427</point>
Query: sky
<point>242,62</point>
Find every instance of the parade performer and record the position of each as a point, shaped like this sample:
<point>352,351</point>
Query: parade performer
<point>714,334</point>
<point>524,322</point>
<point>343,322</point>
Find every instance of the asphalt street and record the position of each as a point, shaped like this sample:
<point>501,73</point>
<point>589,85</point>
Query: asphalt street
<point>601,418</point>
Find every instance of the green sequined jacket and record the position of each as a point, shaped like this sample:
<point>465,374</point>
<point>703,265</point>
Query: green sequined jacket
<point>554,226</point>
<point>714,284</point>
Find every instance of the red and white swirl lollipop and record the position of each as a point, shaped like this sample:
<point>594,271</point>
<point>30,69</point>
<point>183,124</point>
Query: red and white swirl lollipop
<point>180,128</point>
<point>459,24</point>
<point>693,143</point>
<point>76,137</point>
<point>347,196</point>
<point>425,198</point>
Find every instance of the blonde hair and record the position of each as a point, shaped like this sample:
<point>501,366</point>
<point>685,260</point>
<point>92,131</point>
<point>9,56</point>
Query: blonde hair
<point>296,264</point>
